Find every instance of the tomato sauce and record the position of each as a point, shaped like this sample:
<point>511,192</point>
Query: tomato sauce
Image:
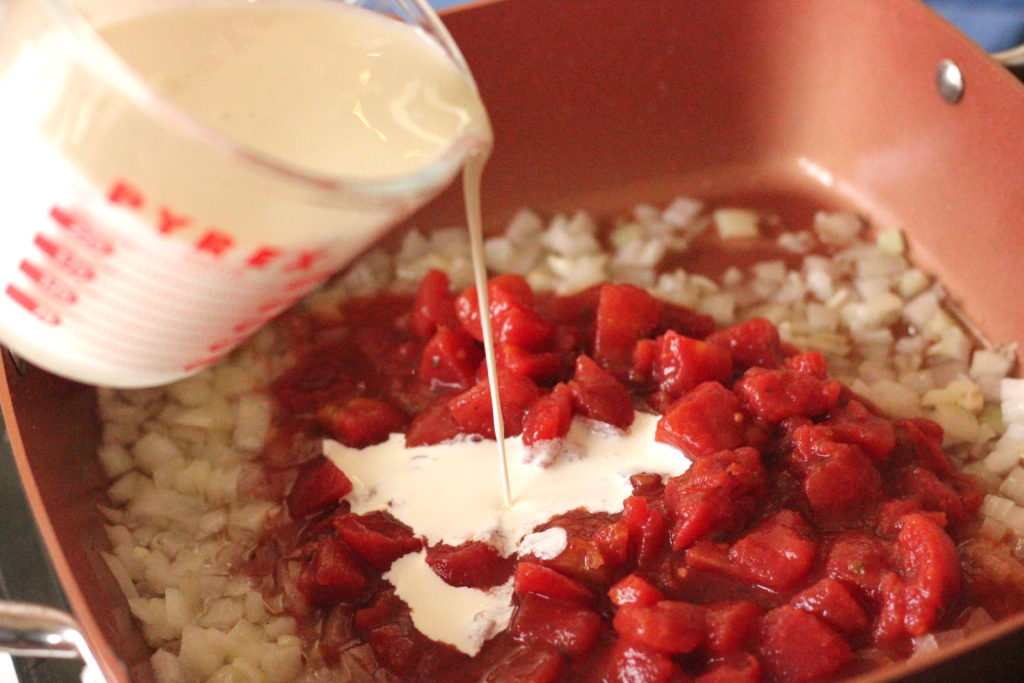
<point>811,537</point>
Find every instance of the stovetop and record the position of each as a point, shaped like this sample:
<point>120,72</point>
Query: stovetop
<point>25,571</point>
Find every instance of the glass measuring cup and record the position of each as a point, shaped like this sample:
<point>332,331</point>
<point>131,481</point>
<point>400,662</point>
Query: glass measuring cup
<point>140,267</point>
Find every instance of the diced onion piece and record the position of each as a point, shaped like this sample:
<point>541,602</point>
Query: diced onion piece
<point>736,223</point>
<point>1013,485</point>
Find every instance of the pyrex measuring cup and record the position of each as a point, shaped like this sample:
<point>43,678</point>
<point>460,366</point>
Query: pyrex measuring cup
<point>140,267</point>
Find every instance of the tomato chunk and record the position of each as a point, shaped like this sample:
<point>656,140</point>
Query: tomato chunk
<point>361,422</point>
<point>832,602</point>
<point>731,625</point>
<point>625,314</point>
<point>378,538</point>
<point>854,424</point>
<point>669,626</point>
<point>434,305</point>
<point>540,580</point>
<point>550,417</point>
<point>681,363</point>
<point>319,485</point>
<point>527,664</point>
<point>931,569</point>
<point>473,564</point>
<point>573,630</point>
<point>774,395</point>
<point>797,646</point>
<point>633,590</point>
<point>331,574</point>
<point>706,420</point>
<point>778,554</point>
<point>754,343</point>
<point>471,409</point>
<point>450,360</point>
<point>718,493</point>
<point>434,425</point>
<point>858,559</point>
<point>741,667</point>
<point>599,396</point>
<point>628,662</point>
<point>513,320</point>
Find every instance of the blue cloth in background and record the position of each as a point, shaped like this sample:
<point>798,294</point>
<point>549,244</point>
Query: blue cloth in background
<point>993,24</point>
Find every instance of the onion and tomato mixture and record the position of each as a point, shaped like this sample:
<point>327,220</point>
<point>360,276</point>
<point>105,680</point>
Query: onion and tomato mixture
<point>812,535</point>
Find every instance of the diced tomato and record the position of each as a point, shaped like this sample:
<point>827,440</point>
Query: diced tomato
<point>319,485</point>
<point>599,396</point>
<point>434,306</point>
<point>811,363</point>
<point>634,590</point>
<point>858,559</point>
<point>397,646</point>
<point>892,618</point>
<point>930,568</point>
<point>797,646</point>
<point>471,409</point>
<point>625,314</point>
<point>669,626</point>
<point>432,426</point>
<point>741,667</point>
<point>642,369</point>
<point>575,310</point>
<point>774,395</point>
<point>682,363</point>
<point>540,580</point>
<point>832,602</point>
<point>731,625</point>
<point>540,367</point>
<point>513,319</point>
<point>629,662</point>
<point>384,608</point>
<point>714,557</point>
<point>320,378</point>
<point>717,494</point>
<point>778,554</point>
<point>331,574</point>
<point>685,321</point>
<point>361,422</point>
<point>920,441</point>
<point>527,664</point>
<point>594,551</point>
<point>450,359</point>
<point>378,538</point>
<point>754,343</point>
<point>473,564</point>
<point>924,487</point>
<point>571,629</point>
<point>550,417</point>
<point>854,424</point>
<point>706,420</point>
<point>842,484</point>
<point>647,529</point>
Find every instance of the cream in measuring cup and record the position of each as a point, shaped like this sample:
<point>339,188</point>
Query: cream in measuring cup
<point>164,198</point>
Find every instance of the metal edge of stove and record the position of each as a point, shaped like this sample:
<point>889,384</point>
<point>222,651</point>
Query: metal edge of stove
<point>25,571</point>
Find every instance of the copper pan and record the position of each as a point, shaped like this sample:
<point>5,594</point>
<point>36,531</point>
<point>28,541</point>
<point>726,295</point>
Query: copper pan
<point>602,103</point>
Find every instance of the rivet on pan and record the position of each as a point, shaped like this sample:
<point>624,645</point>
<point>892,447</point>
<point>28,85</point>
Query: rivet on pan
<point>20,365</point>
<point>950,81</point>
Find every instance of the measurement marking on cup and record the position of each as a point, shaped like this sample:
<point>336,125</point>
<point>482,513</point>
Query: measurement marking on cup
<point>82,230</point>
<point>64,257</point>
<point>39,310</point>
<point>49,283</point>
